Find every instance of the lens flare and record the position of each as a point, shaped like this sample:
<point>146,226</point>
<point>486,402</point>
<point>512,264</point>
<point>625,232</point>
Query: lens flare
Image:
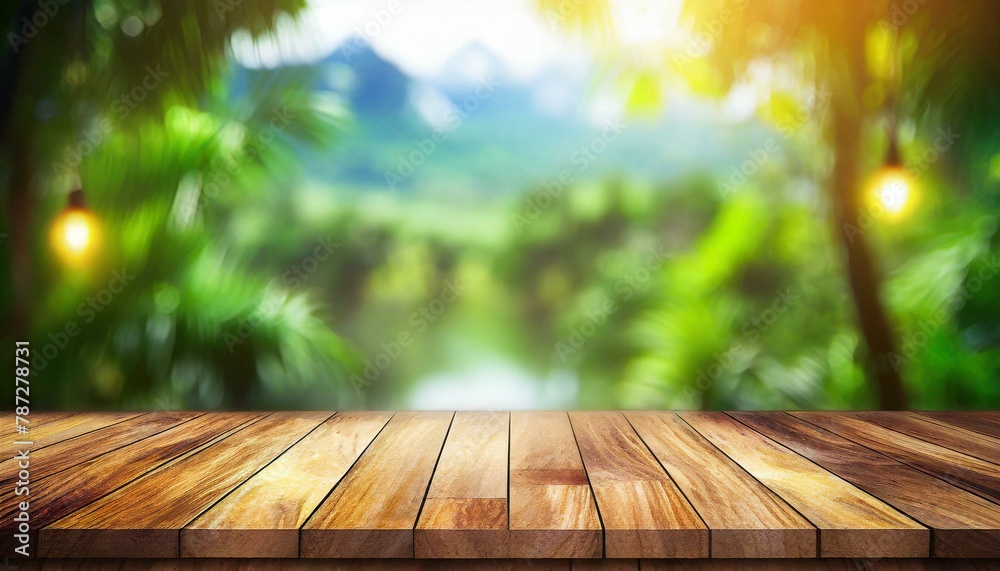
<point>893,190</point>
<point>74,235</point>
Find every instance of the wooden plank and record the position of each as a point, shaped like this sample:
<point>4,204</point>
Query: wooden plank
<point>975,475</point>
<point>465,511</point>
<point>851,522</point>
<point>144,518</point>
<point>745,519</point>
<point>515,565</point>
<point>964,524</point>
<point>768,565</point>
<point>220,564</point>
<point>552,509</point>
<point>62,455</point>
<point>262,517</point>
<point>345,565</point>
<point>374,509</point>
<point>976,422</point>
<point>72,426</point>
<point>35,420</point>
<point>606,564</point>
<point>55,497</point>
<point>643,512</point>
<point>958,439</point>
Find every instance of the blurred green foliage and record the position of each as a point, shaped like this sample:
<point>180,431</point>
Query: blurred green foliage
<point>228,279</point>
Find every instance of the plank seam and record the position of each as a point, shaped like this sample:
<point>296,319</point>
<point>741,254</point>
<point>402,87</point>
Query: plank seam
<point>137,415</point>
<point>162,465</point>
<point>590,486</point>
<point>430,480</point>
<point>768,488</point>
<point>509,420</point>
<point>674,482</point>
<point>337,483</point>
<point>170,427</point>
<point>865,492</point>
<point>922,414</point>
<point>902,461</point>
<point>957,430</point>
<point>255,472</point>
<point>914,518</point>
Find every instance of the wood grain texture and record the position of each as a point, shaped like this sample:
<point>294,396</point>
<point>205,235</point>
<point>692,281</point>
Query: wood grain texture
<point>144,518</point>
<point>643,512</point>
<point>962,470</point>
<point>374,509</point>
<point>55,497</point>
<point>346,565</point>
<point>72,426</point>
<point>465,510</point>
<point>8,428</point>
<point>508,565</point>
<point>974,421</point>
<point>851,522</point>
<point>552,510</point>
<point>62,455</point>
<point>262,517</point>
<point>745,519</point>
<point>522,485</point>
<point>953,437</point>
<point>965,525</point>
<point>604,565</point>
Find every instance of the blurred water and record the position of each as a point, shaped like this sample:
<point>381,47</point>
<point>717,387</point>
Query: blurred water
<point>495,385</point>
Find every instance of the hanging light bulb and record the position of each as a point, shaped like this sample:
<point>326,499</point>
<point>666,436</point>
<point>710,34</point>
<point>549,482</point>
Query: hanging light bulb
<point>75,233</point>
<point>892,186</point>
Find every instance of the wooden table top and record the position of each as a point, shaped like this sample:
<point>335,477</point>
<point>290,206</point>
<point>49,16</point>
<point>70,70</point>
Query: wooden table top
<point>525,485</point>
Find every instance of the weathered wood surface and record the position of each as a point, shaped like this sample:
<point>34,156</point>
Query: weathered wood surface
<point>552,509</point>
<point>964,524</point>
<point>975,475</point>
<point>851,522</point>
<point>144,518</point>
<point>746,518</point>
<point>987,423</point>
<point>191,564</point>
<point>59,495</point>
<point>587,490</point>
<point>373,511</point>
<point>262,517</point>
<point>643,511</point>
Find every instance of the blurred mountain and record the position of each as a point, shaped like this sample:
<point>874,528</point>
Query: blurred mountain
<point>475,130</point>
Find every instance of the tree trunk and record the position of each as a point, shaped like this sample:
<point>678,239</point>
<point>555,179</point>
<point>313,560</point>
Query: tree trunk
<point>20,208</point>
<point>846,198</point>
<point>15,134</point>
